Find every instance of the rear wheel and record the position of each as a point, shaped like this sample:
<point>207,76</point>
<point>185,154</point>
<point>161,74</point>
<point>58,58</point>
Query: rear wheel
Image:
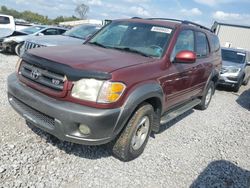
<point>206,98</point>
<point>132,141</point>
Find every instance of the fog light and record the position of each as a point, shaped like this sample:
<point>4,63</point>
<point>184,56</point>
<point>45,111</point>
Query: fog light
<point>84,129</point>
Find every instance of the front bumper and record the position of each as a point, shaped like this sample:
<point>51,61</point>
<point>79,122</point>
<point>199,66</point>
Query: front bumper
<point>228,81</point>
<point>61,118</point>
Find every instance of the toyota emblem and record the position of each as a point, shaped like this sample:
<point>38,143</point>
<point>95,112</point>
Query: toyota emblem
<point>35,74</point>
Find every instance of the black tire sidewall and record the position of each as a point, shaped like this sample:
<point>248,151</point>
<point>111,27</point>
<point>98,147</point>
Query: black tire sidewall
<point>122,148</point>
<point>149,113</point>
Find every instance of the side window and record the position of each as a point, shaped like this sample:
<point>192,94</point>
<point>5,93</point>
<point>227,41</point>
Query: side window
<point>215,43</point>
<point>248,56</point>
<point>50,32</point>
<point>4,20</point>
<point>60,31</point>
<point>185,41</point>
<point>202,48</point>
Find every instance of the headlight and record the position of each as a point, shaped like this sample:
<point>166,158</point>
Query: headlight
<point>9,39</point>
<point>230,70</point>
<point>97,90</point>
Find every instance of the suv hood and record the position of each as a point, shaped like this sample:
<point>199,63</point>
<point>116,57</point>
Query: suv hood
<point>90,57</point>
<point>55,40</point>
<point>232,64</point>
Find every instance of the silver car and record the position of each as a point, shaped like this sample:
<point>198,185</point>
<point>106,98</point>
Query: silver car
<point>76,35</point>
<point>235,68</point>
<point>14,43</point>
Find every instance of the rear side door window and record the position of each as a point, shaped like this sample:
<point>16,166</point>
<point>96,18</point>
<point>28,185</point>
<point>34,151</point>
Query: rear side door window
<point>202,48</point>
<point>185,41</point>
<point>50,32</point>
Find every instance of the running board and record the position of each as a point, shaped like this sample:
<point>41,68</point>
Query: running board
<point>173,114</point>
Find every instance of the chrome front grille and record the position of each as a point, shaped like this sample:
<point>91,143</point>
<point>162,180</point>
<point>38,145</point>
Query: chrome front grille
<point>29,45</point>
<point>42,76</point>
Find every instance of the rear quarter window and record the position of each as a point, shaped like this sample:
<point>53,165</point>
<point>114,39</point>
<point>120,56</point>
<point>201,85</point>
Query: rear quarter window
<point>215,43</point>
<point>202,47</point>
<point>4,20</point>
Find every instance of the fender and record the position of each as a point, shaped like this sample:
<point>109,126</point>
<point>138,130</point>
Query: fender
<point>136,97</point>
<point>213,75</point>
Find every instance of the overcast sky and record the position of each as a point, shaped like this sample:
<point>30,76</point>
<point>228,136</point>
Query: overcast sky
<point>201,11</point>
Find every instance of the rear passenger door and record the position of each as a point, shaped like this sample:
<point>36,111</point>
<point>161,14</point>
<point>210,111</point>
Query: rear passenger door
<point>203,65</point>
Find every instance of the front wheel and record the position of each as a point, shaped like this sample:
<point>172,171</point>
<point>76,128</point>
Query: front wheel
<point>18,49</point>
<point>206,98</point>
<point>132,141</point>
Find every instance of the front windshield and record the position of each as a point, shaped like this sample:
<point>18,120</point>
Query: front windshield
<point>145,39</point>
<point>33,29</point>
<point>233,56</point>
<point>82,32</point>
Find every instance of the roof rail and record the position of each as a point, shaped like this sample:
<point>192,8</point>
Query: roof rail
<point>181,21</point>
<point>166,19</point>
<point>195,24</point>
<point>136,18</point>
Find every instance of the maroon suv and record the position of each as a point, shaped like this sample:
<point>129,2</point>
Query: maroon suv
<point>130,78</point>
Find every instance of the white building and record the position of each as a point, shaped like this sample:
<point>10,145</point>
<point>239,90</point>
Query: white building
<point>79,22</point>
<point>230,35</point>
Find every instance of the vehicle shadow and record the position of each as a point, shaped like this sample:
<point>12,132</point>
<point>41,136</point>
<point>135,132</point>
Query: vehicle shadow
<point>174,121</point>
<point>244,99</point>
<point>224,88</point>
<point>88,152</point>
<point>222,174</point>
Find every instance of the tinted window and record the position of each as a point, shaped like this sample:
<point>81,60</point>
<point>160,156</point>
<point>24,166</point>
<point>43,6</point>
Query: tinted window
<point>4,20</point>
<point>215,43</point>
<point>202,48</point>
<point>233,56</point>
<point>144,39</point>
<point>61,31</point>
<point>185,41</point>
<point>50,32</point>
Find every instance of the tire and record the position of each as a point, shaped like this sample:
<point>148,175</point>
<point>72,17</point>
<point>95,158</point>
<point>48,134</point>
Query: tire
<point>18,49</point>
<point>246,81</point>
<point>133,139</point>
<point>238,85</point>
<point>206,98</point>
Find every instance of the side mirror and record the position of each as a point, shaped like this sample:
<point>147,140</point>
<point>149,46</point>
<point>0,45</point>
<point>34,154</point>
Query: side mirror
<point>248,63</point>
<point>40,34</point>
<point>185,57</point>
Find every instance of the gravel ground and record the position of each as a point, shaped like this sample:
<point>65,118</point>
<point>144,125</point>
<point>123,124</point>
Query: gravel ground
<point>200,149</point>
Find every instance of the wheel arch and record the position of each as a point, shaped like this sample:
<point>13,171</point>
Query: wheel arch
<point>150,93</point>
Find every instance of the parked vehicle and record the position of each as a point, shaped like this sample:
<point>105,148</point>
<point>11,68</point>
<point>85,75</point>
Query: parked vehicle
<point>235,68</point>
<point>13,43</point>
<point>7,27</point>
<point>76,35</point>
<point>6,22</point>
<point>130,78</point>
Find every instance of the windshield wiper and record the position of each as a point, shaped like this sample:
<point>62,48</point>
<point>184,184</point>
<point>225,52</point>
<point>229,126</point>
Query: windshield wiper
<point>132,51</point>
<point>98,44</point>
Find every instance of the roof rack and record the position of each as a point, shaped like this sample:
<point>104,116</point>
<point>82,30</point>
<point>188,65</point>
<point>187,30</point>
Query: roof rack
<point>181,21</point>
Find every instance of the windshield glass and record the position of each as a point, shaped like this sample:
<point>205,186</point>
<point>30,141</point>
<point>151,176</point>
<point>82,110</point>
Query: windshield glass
<point>233,56</point>
<point>82,32</point>
<point>145,39</point>
<point>33,29</point>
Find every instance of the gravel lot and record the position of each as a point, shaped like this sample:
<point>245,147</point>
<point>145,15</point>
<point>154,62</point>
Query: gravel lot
<point>201,149</point>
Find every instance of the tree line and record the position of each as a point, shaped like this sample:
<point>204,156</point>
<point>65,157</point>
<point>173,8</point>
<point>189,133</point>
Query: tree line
<point>35,17</point>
